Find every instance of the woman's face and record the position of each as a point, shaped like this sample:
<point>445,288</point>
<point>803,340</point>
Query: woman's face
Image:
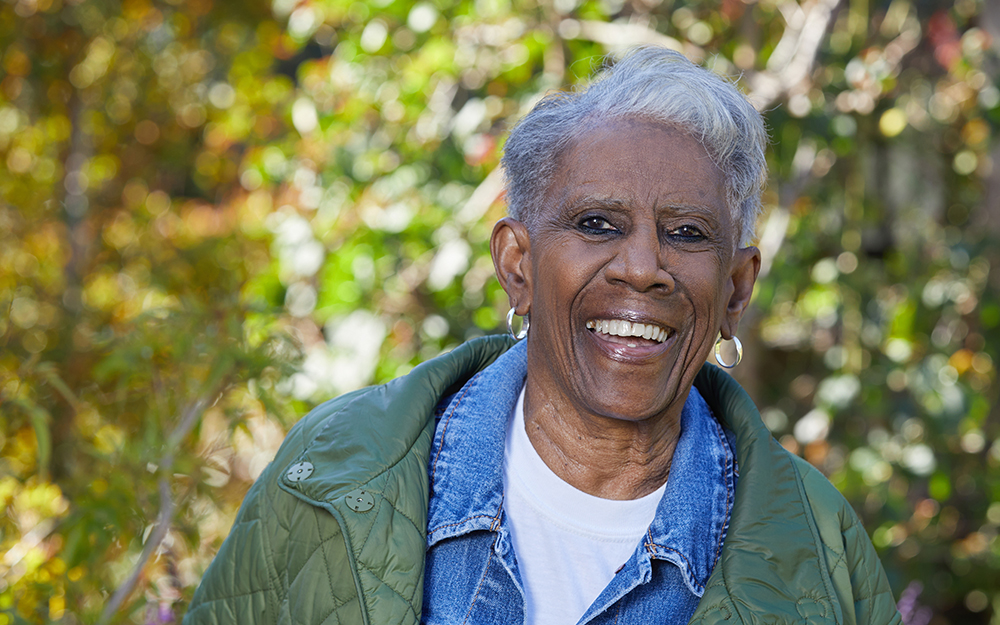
<point>635,229</point>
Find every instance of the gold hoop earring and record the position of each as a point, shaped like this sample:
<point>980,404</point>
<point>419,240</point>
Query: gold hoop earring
<point>718,353</point>
<point>525,323</point>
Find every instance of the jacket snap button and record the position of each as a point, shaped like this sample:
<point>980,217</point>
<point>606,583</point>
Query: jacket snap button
<point>299,471</point>
<point>360,500</point>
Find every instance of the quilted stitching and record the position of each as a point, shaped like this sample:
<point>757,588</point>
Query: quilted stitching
<point>406,603</point>
<point>372,558</point>
<point>318,588</point>
<point>372,568</point>
<point>858,578</point>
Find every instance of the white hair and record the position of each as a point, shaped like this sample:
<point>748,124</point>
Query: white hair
<point>651,83</point>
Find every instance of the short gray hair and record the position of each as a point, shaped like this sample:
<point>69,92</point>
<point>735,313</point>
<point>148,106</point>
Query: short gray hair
<point>651,83</point>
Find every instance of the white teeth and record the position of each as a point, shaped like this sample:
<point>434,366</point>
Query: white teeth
<point>620,327</point>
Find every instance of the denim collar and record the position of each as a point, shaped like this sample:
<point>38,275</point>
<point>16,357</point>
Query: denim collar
<point>466,474</point>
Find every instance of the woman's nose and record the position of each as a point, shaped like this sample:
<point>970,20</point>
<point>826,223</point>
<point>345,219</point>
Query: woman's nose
<point>639,263</point>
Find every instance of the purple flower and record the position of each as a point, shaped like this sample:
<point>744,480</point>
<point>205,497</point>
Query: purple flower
<point>912,611</point>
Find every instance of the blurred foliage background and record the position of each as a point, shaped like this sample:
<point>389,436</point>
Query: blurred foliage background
<point>214,215</point>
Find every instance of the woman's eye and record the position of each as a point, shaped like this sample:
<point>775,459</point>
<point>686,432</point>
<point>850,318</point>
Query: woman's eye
<point>688,232</point>
<point>596,224</point>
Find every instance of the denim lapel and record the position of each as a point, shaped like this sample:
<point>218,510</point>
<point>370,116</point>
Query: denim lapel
<point>693,516</point>
<point>466,463</point>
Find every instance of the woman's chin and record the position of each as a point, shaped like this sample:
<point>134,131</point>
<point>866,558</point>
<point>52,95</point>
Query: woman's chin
<point>637,379</point>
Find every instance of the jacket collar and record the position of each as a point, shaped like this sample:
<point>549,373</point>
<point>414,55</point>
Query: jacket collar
<point>773,557</point>
<point>352,447</point>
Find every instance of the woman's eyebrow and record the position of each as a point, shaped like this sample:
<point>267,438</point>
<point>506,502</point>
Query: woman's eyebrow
<point>594,201</point>
<point>689,209</point>
<point>617,204</point>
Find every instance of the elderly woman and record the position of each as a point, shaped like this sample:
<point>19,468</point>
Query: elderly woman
<point>596,470</point>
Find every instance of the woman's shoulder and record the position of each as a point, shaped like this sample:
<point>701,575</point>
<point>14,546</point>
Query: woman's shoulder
<point>826,501</point>
<point>855,569</point>
<point>416,393</point>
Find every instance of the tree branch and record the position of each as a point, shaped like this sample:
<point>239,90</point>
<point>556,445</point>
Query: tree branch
<point>165,517</point>
<point>774,231</point>
<point>617,35</point>
<point>794,56</point>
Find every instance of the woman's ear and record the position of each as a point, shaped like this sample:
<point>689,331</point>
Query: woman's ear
<point>746,266</point>
<point>510,248</point>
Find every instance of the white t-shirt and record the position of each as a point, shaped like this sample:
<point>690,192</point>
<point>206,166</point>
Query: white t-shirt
<point>568,544</point>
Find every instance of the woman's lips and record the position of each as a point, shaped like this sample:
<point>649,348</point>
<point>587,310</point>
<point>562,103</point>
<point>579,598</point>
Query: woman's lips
<point>632,334</point>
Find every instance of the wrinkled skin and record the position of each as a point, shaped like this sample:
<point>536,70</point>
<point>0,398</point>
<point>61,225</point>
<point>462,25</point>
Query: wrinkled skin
<point>635,227</point>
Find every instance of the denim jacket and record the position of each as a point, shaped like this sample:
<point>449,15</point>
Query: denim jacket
<point>471,572</point>
<point>335,529</point>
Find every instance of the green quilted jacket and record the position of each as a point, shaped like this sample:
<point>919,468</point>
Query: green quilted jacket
<point>334,529</point>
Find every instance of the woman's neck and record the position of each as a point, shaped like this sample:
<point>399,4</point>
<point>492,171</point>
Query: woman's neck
<point>604,456</point>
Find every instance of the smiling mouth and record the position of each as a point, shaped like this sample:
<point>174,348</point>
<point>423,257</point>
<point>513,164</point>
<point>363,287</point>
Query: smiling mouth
<point>628,329</point>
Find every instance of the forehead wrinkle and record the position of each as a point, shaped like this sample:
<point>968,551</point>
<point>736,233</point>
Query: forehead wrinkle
<point>631,181</point>
<point>639,198</point>
<point>614,202</point>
